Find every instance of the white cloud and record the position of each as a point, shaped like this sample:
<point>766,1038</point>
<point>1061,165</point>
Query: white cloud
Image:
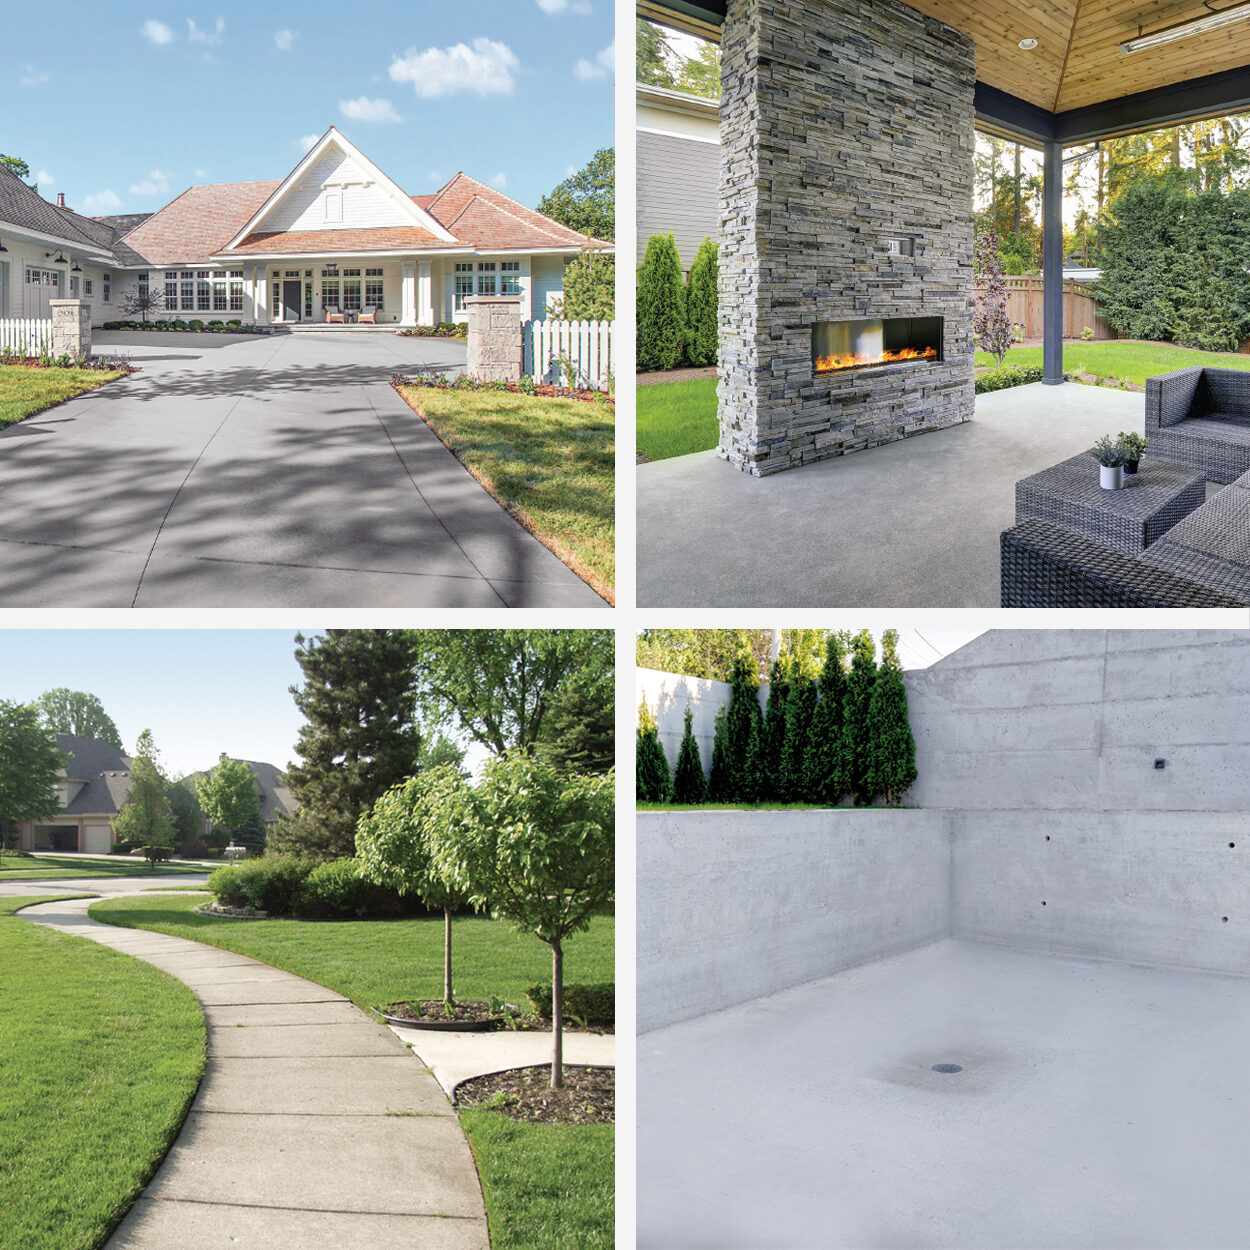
<point>33,77</point>
<point>101,202</point>
<point>156,183</point>
<point>305,142</point>
<point>367,110</point>
<point>485,68</point>
<point>157,32</point>
<point>196,35</point>
<point>44,178</point>
<point>555,7</point>
<point>600,67</point>
<point>499,181</point>
<point>435,177</point>
<point>285,39</point>
<point>199,173</point>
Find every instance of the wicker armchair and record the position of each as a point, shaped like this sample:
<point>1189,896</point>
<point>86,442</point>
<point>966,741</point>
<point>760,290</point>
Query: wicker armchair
<point>1200,419</point>
<point>368,313</point>
<point>334,313</point>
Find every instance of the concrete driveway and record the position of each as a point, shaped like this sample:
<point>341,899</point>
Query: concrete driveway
<point>272,471</point>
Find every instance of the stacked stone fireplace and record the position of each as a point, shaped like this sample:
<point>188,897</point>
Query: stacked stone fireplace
<point>846,219</point>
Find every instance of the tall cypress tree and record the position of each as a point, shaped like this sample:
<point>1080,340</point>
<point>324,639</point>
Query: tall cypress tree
<point>743,730</point>
<point>653,781</point>
<point>800,707</point>
<point>773,743</point>
<point>892,749</point>
<point>855,727</point>
<point>661,301</point>
<point>359,739</point>
<point>689,783</point>
<point>718,782</point>
<point>824,765</point>
<point>701,326</point>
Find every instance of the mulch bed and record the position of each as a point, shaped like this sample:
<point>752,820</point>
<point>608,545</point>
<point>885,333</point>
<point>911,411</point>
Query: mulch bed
<point>433,1009</point>
<point>34,362</point>
<point>541,390</point>
<point>587,1097</point>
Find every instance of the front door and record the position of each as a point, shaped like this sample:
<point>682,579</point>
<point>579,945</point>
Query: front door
<point>290,301</point>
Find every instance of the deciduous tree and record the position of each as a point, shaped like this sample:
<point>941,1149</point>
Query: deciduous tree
<point>229,795</point>
<point>586,201</point>
<point>30,767</point>
<point>146,818</point>
<point>78,713</point>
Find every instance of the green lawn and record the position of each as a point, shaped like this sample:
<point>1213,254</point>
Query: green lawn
<point>752,807</point>
<point>550,462</point>
<point>24,390</point>
<point>676,418</point>
<point>1129,362</point>
<point>100,1056</point>
<point>545,1185</point>
<point>22,867</point>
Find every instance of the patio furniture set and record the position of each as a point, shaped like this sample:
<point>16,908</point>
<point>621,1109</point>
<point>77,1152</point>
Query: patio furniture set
<point>367,314</point>
<point>1155,543</point>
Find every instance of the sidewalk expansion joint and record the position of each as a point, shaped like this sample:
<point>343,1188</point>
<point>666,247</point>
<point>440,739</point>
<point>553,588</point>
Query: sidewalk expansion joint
<point>263,1206</point>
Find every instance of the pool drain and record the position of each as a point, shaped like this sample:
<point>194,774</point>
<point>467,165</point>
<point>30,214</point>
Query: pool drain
<point>947,1067</point>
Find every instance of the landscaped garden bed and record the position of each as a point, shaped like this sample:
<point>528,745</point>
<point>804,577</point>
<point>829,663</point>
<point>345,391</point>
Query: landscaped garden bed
<point>195,326</point>
<point>444,330</point>
<point>587,1097</point>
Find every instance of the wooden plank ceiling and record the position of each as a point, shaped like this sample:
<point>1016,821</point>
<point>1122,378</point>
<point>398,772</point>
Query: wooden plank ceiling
<point>1078,60</point>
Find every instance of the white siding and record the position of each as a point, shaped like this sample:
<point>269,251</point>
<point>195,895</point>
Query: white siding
<point>304,206</point>
<point>678,191</point>
<point>546,283</point>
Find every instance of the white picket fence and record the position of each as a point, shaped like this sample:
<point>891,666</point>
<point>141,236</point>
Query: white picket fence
<point>586,345</point>
<point>25,336</point>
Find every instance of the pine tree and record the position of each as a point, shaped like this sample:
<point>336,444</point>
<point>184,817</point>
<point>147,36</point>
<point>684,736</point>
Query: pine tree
<point>689,783</point>
<point>855,728</point>
<point>800,707</point>
<point>661,305</point>
<point>824,766</point>
<point>653,782</point>
<point>718,782</point>
<point>892,750</point>
<point>701,324</point>
<point>773,739</point>
<point>743,730</point>
<point>359,739</point>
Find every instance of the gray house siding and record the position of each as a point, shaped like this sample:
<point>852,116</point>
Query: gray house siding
<point>678,190</point>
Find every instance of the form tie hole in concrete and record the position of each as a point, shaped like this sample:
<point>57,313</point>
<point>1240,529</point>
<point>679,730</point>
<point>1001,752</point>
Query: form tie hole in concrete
<point>1231,845</point>
<point>1043,902</point>
<point>947,1067</point>
<point>1048,837</point>
<point>1224,919</point>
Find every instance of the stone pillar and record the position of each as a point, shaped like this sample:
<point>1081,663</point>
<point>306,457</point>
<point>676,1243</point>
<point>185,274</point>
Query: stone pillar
<point>494,337</point>
<point>71,327</point>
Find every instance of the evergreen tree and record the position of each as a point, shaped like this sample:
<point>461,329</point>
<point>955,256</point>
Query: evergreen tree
<point>653,55</point>
<point>661,305</point>
<point>689,783</point>
<point>743,730</point>
<point>855,727</point>
<point>359,739</point>
<point>773,739</point>
<point>800,707</point>
<point>701,323</point>
<point>718,782</point>
<point>824,766</point>
<point>892,750</point>
<point>653,781</point>
<point>579,732</point>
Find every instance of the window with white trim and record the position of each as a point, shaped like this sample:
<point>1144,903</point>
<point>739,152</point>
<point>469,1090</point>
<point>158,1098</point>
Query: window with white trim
<point>88,287</point>
<point>486,277</point>
<point>373,288</point>
<point>510,277</point>
<point>329,288</point>
<point>187,284</point>
<point>171,291</point>
<point>308,298</point>
<point>277,295</point>
<point>106,286</point>
<point>464,283</point>
<point>203,294</point>
<point>351,290</point>
<point>219,292</point>
<point>236,290</point>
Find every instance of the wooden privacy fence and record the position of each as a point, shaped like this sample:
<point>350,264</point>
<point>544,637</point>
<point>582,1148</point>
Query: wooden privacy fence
<point>25,336</point>
<point>1024,304</point>
<point>586,346</point>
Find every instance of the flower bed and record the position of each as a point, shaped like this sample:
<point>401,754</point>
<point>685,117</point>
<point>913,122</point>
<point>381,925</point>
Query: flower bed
<point>193,327</point>
<point>444,330</point>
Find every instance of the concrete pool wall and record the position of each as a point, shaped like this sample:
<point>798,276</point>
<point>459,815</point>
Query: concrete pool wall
<point>1037,785</point>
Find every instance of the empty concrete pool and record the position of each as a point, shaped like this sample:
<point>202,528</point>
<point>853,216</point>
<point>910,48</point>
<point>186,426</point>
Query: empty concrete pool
<point>1014,1015</point>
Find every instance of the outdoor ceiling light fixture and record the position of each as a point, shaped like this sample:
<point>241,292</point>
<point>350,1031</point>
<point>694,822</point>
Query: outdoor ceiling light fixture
<point>60,260</point>
<point>1197,26</point>
<point>77,268</point>
<point>1027,45</point>
<point>2,247</point>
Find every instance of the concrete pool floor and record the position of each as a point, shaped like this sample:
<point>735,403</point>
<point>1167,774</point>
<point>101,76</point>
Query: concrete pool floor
<point>1102,1104</point>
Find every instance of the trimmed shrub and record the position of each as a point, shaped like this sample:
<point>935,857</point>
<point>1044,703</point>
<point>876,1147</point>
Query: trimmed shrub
<point>654,781</point>
<point>718,784</point>
<point>596,1004</point>
<point>701,328</point>
<point>272,884</point>
<point>661,306</point>
<point>1007,376</point>
<point>335,889</point>
<point>689,784</point>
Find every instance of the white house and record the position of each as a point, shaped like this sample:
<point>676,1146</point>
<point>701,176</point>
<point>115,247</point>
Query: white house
<point>335,232</point>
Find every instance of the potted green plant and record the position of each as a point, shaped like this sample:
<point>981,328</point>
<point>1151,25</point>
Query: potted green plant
<point>1110,456</point>
<point>1134,449</point>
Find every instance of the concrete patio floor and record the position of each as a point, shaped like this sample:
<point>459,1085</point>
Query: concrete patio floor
<point>1101,1104</point>
<point>910,524</point>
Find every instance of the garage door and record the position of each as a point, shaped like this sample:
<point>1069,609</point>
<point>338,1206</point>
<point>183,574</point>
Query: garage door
<point>95,839</point>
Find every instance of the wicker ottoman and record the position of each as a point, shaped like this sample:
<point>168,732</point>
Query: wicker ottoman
<point>1129,520</point>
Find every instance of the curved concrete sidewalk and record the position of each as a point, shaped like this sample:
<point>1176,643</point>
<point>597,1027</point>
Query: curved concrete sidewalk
<point>312,1126</point>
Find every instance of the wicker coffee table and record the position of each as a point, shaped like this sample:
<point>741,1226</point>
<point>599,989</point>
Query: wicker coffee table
<point>1129,520</point>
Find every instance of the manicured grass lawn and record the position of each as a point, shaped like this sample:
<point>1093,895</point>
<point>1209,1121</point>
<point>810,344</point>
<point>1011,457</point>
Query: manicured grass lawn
<point>47,867</point>
<point>1129,362</point>
<point>735,807</point>
<point>100,1056</point>
<point>676,418</point>
<point>545,1185</point>
<point>24,390</point>
<point>550,462</point>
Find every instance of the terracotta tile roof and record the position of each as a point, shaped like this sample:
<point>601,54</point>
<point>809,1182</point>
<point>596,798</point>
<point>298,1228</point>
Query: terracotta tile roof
<point>487,219</point>
<point>201,221</point>
<point>376,239</point>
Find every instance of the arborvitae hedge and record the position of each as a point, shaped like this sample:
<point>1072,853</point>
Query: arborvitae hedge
<point>718,783</point>
<point>661,306</point>
<point>654,782</point>
<point>701,328</point>
<point>855,728</point>
<point>689,784</point>
<point>800,708</point>
<point>773,739</point>
<point>826,777</point>
<point>743,730</point>
<point>892,749</point>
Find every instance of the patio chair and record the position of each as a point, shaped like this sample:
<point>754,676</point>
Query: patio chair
<point>368,313</point>
<point>1199,418</point>
<point>334,313</point>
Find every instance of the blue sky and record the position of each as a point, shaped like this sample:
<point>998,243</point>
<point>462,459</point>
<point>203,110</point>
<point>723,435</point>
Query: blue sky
<point>124,105</point>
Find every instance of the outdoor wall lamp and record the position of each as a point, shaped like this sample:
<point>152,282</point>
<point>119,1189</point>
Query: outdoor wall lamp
<point>60,260</point>
<point>1197,26</point>
<point>77,268</point>
<point>2,247</point>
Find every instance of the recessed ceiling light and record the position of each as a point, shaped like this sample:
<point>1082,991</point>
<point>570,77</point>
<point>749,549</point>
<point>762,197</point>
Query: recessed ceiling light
<point>1027,45</point>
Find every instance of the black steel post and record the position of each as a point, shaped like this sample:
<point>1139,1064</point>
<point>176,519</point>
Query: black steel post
<point>1052,264</point>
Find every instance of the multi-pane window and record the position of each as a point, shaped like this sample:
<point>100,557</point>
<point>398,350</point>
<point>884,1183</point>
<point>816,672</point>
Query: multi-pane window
<point>510,277</point>
<point>351,290</point>
<point>236,290</point>
<point>277,294</point>
<point>106,280</point>
<point>203,294</point>
<point>171,291</point>
<point>486,277</point>
<point>373,288</point>
<point>187,285</point>
<point>219,292</point>
<point>88,287</point>
<point>329,288</point>
<point>464,283</point>
<point>308,298</point>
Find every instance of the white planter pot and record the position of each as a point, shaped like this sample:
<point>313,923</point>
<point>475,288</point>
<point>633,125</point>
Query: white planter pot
<point>1111,477</point>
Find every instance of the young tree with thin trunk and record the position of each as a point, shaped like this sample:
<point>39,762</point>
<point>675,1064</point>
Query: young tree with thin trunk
<point>537,849</point>
<point>146,818</point>
<point>994,330</point>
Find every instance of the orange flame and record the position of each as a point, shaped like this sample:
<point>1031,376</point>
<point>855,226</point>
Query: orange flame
<point>830,364</point>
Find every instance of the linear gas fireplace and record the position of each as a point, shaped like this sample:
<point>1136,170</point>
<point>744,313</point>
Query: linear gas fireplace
<point>841,345</point>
